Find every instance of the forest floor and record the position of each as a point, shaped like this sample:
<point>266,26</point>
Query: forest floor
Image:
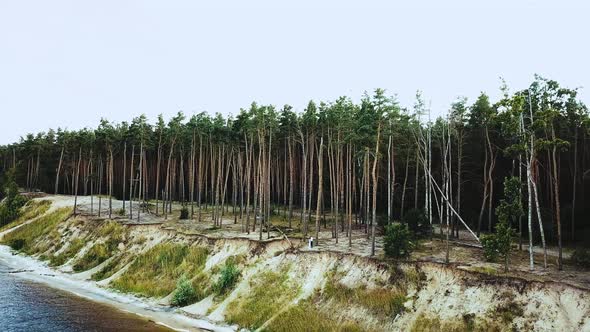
<point>463,254</point>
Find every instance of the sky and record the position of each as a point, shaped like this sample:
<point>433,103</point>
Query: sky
<point>69,63</point>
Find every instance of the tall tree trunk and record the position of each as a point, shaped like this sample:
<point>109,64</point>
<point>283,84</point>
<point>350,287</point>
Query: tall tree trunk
<point>320,188</point>
<point>61,157</point>
<point>76,181</point>
<point>124,173</point>
<point>556,197</point>
<point>374,222</point>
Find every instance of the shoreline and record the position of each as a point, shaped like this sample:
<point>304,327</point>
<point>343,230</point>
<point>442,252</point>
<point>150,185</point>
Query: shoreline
<point>31,269</point>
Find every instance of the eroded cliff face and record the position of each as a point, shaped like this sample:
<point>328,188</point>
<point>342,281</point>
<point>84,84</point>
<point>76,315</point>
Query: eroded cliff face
<point>278,288</point>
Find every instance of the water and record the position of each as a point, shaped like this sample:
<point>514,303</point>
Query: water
<point>28,306</point>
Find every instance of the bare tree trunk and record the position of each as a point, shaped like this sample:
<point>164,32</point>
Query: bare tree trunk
<point>320,189</point>
<point>374,222</point>
<point>557,200</point>
<point>404,186</point>
<point>100,174</point>
<point>124,172</point>
<point>140,181</point>
<point>574,183</point>
<point>291,182</point>
<point>110,182</point>
<point>61,157</point>
<point>158,163</point>
<point>131,178</point>
<point>76,181</point>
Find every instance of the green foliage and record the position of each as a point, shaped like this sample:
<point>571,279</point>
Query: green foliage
<point>228,277</point>
<point>490,247</point>
<point>156,272</point>
<point>417,221</point>
<point>16,244</point>
<point>581,257</point>
<point>99,253</point>
<point>398,241</point>
<point>184,294</point>
<point>30,210</point>
<point>184,213</point>
<point>10,207</point>
<point>510,209</point>
<point>27,237</point>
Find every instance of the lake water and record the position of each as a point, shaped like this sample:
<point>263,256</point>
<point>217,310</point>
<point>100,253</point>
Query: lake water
<point>28,306</point>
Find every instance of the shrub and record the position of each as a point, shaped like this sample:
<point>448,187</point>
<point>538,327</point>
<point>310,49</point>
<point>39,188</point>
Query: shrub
<point>10,207</point>
<point>184,294</point>
<point>581,257</point>
<point>490,247</point>
<point>229,275</point>
<point>16,244</point>
<point>398,241</point>
<point>416,221</point>
<point>184,213</point>
<point>121,212</point>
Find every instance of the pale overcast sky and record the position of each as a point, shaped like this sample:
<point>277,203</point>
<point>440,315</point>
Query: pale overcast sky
<point>69,63</point>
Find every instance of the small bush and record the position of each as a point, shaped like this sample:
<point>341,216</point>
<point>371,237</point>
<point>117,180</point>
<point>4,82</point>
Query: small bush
<point>184,294</point>
<point>184,213</point>
<point>398,241</point>
<point>16,244</point>
<point>121,212</point>
<point>229,275</point>
<point>416,221</point>
<point>581,257</point>
<point>490,247</point>
<point>10,207</point>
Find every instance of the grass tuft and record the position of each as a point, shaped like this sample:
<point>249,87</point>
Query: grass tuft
<point>113,233</point>
<point>65,255</point>
<point>228,277</point>
<point>157,271</point>
<point>385,302</point>
<point>305,317</point>
<point>270,291</point>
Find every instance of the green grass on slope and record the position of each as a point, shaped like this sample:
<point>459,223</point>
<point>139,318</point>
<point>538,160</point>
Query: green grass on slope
<point>305,317</point>
<point>31,210</point>
<point>113,234</point>
<point>26,238</point>
<point>157,271</point>
<point>270,292</point>
<point>68,253</point>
